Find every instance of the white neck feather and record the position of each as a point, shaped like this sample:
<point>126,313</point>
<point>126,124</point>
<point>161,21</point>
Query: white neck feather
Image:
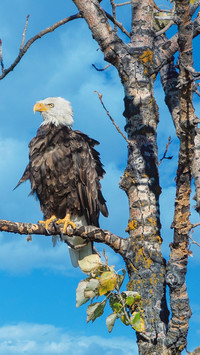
<point>59,114</point>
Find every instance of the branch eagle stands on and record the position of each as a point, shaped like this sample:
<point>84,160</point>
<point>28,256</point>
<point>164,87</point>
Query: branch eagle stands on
<point>65,170</point>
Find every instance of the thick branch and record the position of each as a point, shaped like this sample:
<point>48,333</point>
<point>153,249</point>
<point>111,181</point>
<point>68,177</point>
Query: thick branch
<point>99,25</point>
<point>24,49</point>
<point>89,233</point>
<point>177,265</point>
<point>165,51</point>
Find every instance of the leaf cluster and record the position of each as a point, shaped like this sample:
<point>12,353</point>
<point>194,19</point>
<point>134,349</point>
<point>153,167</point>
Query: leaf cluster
<point>103,281</point>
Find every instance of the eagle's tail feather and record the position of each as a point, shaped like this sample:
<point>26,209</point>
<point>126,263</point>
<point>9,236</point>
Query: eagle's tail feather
<point>25,176</point>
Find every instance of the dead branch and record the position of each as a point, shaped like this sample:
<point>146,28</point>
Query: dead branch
<point>1,56</point>
<point>119,24</point>
<point>195,225</point>
<point>24,49</point>
<point>89,233</point>
<point>108,114</point>
<point>24,33</point>
<point>166,150</point>
<point>114,14</point>
<point>106,67</point>
<point>123,3</point>
<point>192,240</point>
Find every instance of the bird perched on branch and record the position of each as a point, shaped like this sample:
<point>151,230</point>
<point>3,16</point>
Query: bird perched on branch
<point>65,171</point>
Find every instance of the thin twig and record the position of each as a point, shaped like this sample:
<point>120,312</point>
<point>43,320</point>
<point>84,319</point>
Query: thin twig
<point>114,15</point>
<point>108,114</point>
<point>24,32</point>
<point>1,56</point>
<point>192,240</point>
<point>106,67</point>
<point>33,39</point>
<point>166,149</point>
<point>195,89</point>
<point>191,70</point>
<point>119,24</point>
<point>195,225</point>
<point>123,3</point>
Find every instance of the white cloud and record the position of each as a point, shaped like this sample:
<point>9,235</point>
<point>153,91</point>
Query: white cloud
<point>34,339</point>
<point>19,256</point>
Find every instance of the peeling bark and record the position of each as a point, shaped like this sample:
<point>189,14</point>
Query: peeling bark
<point>181,108</point>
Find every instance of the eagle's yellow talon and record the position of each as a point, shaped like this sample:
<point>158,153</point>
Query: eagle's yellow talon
<point>48,221</point>
<point>66,222</point>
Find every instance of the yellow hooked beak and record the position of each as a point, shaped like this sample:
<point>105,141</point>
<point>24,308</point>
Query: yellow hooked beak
<point>40,107</point>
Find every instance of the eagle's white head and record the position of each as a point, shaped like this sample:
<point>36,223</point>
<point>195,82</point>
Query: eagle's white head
<point>55,110</point>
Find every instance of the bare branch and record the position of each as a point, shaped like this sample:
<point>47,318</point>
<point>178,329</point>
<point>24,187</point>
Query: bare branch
<point>165,51</point>
<point>24,33</point>
<point>108,114</point>
<point>119,24</point>
<point>1,56</point>
<point>106,67</point>
<point>195,225</point>
<point>89,233</point>
<point>33,39</point>
<point>192,240</point>
<point>114,15</point>
<point>123,3</point>
<point>166,149</point>
<point>195,89</point>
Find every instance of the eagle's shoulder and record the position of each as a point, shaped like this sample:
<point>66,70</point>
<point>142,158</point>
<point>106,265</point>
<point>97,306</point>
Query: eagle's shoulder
<point>92,142</point>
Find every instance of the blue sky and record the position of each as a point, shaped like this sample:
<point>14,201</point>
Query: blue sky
<point>38,283</point>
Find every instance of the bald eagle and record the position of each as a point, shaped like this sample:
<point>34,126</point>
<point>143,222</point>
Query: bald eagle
<point>65,170</point>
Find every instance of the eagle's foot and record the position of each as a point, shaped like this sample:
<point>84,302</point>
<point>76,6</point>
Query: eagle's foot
<point>66,222</point>
<point>48,221</point>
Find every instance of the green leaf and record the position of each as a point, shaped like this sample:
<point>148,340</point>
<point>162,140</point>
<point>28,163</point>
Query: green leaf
<point>130,300</point>
<point>80,293</point>
<point>135,295</point>
<point>110,321</point>
<point>114,302</point>
<point>116,307</point>
<point>137,322</point>
<point>90,263</point>
<point>95,310</point>
<point>108,281</point>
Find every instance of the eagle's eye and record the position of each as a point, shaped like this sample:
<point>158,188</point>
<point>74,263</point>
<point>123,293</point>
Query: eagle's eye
<point>51,105</point>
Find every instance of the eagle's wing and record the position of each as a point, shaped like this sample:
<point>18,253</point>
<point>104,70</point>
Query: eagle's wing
<point>89,170</point>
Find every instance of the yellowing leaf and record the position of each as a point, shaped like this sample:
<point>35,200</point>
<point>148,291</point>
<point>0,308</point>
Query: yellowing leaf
<point>124,320</point>
<point>137,322</point>
<point>108,281</point>
<point>90,263</point>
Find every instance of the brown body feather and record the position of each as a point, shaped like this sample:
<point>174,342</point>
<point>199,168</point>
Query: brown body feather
<point>65,171</point>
